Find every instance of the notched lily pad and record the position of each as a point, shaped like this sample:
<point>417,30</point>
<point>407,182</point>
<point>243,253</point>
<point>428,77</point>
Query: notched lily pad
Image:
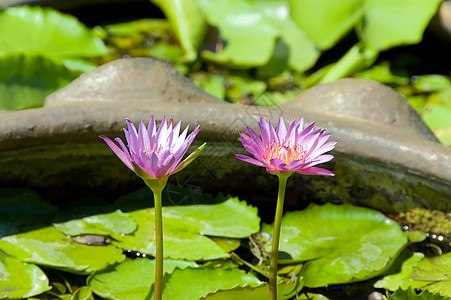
<point>131,279</point>
<point>342,243</point>
<point>49,247</point>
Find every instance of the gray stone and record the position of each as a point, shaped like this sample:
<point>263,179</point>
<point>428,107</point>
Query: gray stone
<point>131,79</point>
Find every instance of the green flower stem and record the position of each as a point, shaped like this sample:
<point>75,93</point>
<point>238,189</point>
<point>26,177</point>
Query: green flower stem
<point>283,177</point>
<point>157,187</point>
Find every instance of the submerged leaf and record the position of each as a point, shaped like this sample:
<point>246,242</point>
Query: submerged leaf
<point>342,243</point>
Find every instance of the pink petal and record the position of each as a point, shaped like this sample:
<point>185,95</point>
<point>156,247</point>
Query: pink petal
<point>250,160</point>
<point>301,135</point>
<point>278,165</point>
<point>281,129</point>
<point>122,156</point>
<point>323,149</point>
<point>264,131</point>
<point>315,171</point>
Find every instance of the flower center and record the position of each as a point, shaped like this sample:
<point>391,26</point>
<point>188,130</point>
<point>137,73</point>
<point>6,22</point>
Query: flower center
<point>285,151</point>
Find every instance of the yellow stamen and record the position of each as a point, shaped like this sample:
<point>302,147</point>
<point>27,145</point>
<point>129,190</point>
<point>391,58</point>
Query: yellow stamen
<point>285,151</point>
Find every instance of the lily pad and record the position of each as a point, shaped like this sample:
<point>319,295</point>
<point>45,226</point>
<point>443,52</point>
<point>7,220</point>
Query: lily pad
<point>20,280</point>
<point>83,293</point>
<point>410,294</point>
<point>284,291</point>
<point>103,224</point>
<point>195,283</point>
<point>131,279</point>
<point>342,243</point>
<point>181,241</point>
<point>47,32</point>
<point>49,247</point>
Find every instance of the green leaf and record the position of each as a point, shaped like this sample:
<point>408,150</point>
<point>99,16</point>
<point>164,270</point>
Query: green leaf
<point>416,236</point>
<point>181,241</point>
<point>47,32</point>
<point>232,218</point>
<point>211,83</point>
<point>430,274</point>
<point>438,117</point>
<point>383,74</point>
<point>390,23</point>
<point>249,37</point>
<point>131,279</point>
<point>431,83</point>
<point>359,57</point>
<point>326,21</point>
<point>188,23</point>
<point>102,224</point>
<point>26,80</point>
<point>83,293</point>
<point>49,247</point>
<point>402,279</point>
<point>410,294</point>
<point>259,292</point>
<point>342,243</point>
<point>20,280</point>
<point>199,282</point>
<point>302,52</point>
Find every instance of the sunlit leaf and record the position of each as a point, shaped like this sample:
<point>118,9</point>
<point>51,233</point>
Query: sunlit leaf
<point>390,23</point>
<point>47,32</point>
<point>431,274</point>
<point>83,293</point>
<point>131,279</point>
<point>188,23</point>
<point>195,283</point>
<point>342,243</point>
<point>326,21</point>
<point>26,80</point>
<point>101,224</point>
<point>20,280</point>
<point>259,292</point>
<point>437,117</point>
<point>49,247</point>
<point>211,83</point>
<point>382,74</point>
<point>410,294</point>
<point>249,37</point>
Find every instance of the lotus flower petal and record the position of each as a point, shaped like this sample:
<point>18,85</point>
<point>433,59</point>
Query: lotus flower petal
<point>292,149</point>
<point>155,152</point>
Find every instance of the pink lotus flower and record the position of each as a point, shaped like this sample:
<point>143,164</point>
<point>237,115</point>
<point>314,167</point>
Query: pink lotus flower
<point>155,153</point>
<point>295,149</point>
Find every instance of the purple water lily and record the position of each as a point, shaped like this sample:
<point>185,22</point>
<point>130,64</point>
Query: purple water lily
<point>295,149</point>
<point>155,153</point>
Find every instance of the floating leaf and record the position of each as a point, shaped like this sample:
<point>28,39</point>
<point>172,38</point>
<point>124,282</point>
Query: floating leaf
<point>431,274</point>
<point>326,21</point>
<point>181,241</point>
<point>232,218</point>
<point>284,291</point>
<point>390,23</point>
<point>199,282</point>
<point>102,224</point>
<point>47,32</point>
<point>342,243</point>
<point>130,279</point>
<point>438,117</point>
<point>26,80</point>
<point>20,280</point>
<point>410,294</point>
<point>49,247</point>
